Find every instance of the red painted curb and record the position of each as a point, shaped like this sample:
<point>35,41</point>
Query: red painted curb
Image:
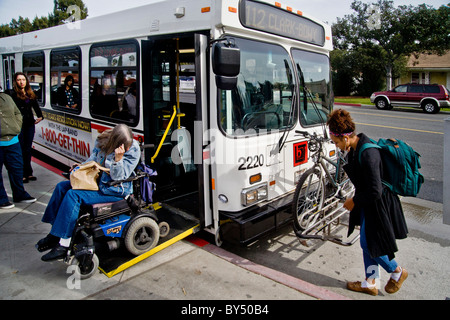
<point>47,166</point>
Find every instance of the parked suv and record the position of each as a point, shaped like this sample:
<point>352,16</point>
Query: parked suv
<point>429,97</point>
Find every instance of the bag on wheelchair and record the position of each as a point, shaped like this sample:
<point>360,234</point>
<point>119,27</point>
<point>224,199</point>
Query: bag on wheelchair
<point>147,186</point>
<point>85,176</point>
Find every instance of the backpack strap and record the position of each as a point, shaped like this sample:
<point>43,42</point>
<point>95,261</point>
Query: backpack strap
<point>372,145</point>
<point>367,146</point>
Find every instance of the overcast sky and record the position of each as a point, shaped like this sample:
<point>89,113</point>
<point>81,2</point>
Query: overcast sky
<point>326,10</point>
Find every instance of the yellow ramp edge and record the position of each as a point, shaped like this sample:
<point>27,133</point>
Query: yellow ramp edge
<point>144,256</point>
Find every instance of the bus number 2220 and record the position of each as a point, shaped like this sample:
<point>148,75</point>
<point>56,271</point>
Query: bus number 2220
<point>251,162</point>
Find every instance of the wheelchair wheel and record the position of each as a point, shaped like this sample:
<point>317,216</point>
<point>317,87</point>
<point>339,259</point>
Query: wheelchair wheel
<point>142,235</point>
<point>164,229</point>
<point>85,271</point>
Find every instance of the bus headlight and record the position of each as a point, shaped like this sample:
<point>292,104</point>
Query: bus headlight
<point>253,195</point>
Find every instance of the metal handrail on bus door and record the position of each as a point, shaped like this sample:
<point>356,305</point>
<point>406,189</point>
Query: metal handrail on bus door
<point>166,132</point>
<point>176,108</point>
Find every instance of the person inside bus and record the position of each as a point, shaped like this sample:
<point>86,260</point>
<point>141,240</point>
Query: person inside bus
<point>67,95</point>
<point>97,98</point>
<point>127,111</point>
<point>26,101</point>
<point>129,101</point>
<point>11,153</point>
<point>114,149</point>
<point>374,207</point>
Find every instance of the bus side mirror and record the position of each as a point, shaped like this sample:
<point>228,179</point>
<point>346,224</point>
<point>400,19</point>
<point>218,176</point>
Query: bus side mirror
<point>226,63</point>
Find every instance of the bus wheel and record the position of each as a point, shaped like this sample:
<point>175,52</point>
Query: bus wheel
<point>141,236</point>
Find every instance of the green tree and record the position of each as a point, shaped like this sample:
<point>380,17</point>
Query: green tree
<point>343,72</point>
<point>388,34</point>
<point>60,15</point>
<point>22,25</point>
<point>40,23</point>
<point>61,12</point>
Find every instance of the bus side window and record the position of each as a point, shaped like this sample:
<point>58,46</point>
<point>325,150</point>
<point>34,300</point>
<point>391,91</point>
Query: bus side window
<point>33,67</point>
<point>65,82</point>
<point>113,82</point>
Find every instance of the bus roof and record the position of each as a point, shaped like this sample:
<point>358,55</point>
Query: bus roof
<point>134,22</point>
<point>159,17</point>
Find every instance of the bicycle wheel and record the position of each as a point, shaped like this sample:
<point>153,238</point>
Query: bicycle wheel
<point>308,199</point>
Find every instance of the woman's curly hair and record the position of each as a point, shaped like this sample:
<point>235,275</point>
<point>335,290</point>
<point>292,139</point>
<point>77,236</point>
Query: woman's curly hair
<point>341,123</point>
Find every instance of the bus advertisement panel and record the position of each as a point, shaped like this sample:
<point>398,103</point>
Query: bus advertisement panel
<point>68,135</point>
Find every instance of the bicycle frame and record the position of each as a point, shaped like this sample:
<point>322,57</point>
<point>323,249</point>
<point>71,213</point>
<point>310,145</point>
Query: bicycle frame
<point>338,165</point>
<point>332,209</point>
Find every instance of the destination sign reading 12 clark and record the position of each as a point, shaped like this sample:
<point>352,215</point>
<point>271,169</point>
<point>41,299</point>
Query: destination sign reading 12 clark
<point>264,17</point>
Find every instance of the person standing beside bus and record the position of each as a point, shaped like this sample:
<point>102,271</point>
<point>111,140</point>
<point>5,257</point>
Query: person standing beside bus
<point>374,207</point>
<point>26,101</point>
<point>11,153</point>
<point>67,94</point>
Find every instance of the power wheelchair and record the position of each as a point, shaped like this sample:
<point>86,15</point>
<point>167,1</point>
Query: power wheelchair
<point>131,222</point>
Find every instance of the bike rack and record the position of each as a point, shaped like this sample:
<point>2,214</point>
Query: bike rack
<point>326,221</point>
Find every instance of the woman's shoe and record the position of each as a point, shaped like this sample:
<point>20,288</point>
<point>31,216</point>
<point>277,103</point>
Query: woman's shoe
<point>356,286</point>
<point>25,180</point>
<point>393,286</point>
<point>47,243</point>
<point>32,178</point>
<point>56,253</point>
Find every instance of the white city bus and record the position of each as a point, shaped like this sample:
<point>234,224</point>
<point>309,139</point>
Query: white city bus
<point>217,91</point>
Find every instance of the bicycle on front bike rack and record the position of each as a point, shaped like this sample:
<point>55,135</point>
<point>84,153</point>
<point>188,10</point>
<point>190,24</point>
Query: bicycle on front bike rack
<point>320,194</point>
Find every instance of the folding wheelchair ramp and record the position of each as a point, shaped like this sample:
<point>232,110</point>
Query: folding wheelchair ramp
<point>181,225</point>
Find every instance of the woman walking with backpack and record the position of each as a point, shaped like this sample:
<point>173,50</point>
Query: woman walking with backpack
<point>374,207</point>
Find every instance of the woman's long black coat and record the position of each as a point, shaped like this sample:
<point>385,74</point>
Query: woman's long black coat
<point>384,219</point>
<point>26,107</point>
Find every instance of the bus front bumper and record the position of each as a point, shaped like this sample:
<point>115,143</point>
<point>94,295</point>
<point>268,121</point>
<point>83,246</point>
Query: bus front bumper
<point>249,225</point>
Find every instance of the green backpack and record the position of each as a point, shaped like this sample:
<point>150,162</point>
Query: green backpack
<point>400,163</point>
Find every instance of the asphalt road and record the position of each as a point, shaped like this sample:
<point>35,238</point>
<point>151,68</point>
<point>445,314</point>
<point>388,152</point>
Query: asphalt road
<point>424,253</point>
<point>424,132</point>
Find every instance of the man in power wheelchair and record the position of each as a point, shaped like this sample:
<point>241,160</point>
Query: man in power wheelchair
<point>114,212</point>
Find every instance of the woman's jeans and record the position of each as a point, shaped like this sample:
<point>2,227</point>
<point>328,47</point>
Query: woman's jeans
<point>11,157</point>
<point>64,207</point>
<point>371,264</point>
<point>26,137</point>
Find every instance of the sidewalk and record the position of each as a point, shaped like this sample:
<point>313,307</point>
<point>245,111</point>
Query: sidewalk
<point>187,270</point>
<point>277,268</point>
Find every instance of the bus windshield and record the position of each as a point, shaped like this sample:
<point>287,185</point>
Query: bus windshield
<point>263,97</point>
<point>315,68</point>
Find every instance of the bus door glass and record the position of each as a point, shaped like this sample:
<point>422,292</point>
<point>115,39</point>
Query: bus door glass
<point>9,68</point>
<point>170,119</point>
